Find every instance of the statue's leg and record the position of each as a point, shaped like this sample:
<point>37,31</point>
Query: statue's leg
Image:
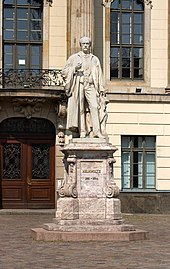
<point>82,128</point>
<point>90,94</point>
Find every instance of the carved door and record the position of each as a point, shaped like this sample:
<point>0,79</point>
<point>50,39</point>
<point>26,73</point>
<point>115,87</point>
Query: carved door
<point>27,173</point>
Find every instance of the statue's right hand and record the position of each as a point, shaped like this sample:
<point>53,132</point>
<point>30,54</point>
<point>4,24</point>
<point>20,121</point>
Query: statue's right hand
<point>78,66</point>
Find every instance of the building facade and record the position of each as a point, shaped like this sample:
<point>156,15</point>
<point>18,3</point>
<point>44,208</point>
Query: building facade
<point>131,39</point>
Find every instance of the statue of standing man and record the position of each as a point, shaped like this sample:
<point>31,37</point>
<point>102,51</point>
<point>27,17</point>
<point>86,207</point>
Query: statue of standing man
<point>86,94</point>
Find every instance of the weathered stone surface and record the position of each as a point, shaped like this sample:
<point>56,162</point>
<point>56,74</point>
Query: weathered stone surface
<point>93,213</point>
<point>43,235</point>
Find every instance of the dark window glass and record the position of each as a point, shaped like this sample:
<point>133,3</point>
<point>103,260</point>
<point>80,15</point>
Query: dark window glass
<point>115,4</point>
<point>127,36</point>
<point>8,2</point>
<point>23,2</point>
<point>22,24</point>
<point>126,4</point>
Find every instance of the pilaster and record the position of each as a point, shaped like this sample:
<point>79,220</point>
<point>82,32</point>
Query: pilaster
<point>80,17</point>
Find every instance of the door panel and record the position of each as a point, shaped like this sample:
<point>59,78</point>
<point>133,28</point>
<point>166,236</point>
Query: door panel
<point>12,174</point>
<point>27,173</point>
<point>40,178</point>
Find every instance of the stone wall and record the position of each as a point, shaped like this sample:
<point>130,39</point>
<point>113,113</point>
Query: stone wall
<point>151,203</point>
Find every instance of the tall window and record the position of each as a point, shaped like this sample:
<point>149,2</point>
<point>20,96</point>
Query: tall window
<point>138,162</point>
<point>22,34</point>
<point>126,39</point>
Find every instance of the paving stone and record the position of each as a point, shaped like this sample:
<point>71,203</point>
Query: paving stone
<point>19,251</point>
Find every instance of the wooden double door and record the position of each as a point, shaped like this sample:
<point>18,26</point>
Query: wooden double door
<point>27,172</point>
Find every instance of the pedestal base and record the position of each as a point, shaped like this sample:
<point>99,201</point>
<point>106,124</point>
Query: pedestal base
<point>88,207</point>
<point>41,234</point>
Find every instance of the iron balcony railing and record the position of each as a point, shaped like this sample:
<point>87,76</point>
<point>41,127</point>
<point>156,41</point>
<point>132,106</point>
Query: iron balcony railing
<point>30,78</point>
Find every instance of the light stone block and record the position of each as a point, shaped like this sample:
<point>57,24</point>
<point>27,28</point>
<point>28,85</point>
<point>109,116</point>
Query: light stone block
<point>92,208</point>
<point>113,207</point>
<point>67,209</point>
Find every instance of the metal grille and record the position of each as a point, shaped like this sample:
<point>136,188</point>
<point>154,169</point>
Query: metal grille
<point>40,161</point>
<point>30,78</point>
<point>11,161</point>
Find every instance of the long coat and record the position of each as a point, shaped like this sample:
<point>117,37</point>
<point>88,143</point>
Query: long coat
<point>72,85</point>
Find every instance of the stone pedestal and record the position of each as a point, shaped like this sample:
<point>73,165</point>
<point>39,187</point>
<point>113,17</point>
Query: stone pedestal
<point>88,202</point>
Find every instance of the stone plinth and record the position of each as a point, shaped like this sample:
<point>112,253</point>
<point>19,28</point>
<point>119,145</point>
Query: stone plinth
<point>88,207</point>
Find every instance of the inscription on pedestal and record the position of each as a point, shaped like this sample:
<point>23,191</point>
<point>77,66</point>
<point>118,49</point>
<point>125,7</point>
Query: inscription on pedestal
<point>91,179</point>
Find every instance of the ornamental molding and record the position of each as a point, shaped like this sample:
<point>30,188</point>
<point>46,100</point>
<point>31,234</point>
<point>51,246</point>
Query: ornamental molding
<point>28,106</point>
<point>106,3</point>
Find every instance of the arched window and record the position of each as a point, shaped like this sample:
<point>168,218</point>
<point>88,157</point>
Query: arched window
<point>127,40</point>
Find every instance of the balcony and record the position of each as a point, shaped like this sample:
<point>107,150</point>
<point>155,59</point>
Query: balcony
<point>30,78</point>
<point>31,82</point>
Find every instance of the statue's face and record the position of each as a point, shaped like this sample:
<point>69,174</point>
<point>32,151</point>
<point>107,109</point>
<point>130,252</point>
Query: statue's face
<point>85,46</point>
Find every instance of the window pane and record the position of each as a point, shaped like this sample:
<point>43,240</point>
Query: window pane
<point>140,168</point>
<point>114,62</point>
<point>8,24</point>
<point>35,57</point>
<point>22,35</point>
<point>35,25</point>
<point>138,39</point>
<point>138,73</point>
<point>9,34</point>
<point>36,2</point>
<point>114,38</point>
<point>8,13</point>
<point>9,2</point>
<point>115,4</point>
<point>22,56</point>
<point>35,35</point>
<point>8,49</point>
<point>135,170</point>
<point>138,52</point>
<point>126,39</point>
<point>126,18</point>
<point>138,63</point>
<point>150,142</point>
<point>8,56</point>
<point>22,13</point>
<point>23,2</point>
<point>126,4</point>
<point>126,73</point>
<point>126,142</point>
<point>114,28</point>
<point>138,5</point>
<point>22,24</point>
<point>138,29</point>
<point>35,60</point>
<point>126,169</point>
<point>138,18</point>
<point>150,170</point>
<point>35,14</point>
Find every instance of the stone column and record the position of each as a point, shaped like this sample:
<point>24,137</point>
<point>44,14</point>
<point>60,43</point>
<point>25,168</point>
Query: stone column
<point>80,18</point>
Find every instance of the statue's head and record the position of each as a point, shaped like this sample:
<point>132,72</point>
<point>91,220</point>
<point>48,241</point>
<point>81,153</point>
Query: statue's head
<point>85,39</point>
<point>85,43</point>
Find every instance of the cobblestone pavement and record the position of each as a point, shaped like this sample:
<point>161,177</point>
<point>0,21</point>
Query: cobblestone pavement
<point>19,251</point>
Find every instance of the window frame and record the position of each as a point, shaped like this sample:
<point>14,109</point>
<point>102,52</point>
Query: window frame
<point>28,43</point>
<point>115,84</point>
<point>131,149</point>
<point>131,45</point>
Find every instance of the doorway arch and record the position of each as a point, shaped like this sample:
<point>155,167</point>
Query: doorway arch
<point>27,163</point>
